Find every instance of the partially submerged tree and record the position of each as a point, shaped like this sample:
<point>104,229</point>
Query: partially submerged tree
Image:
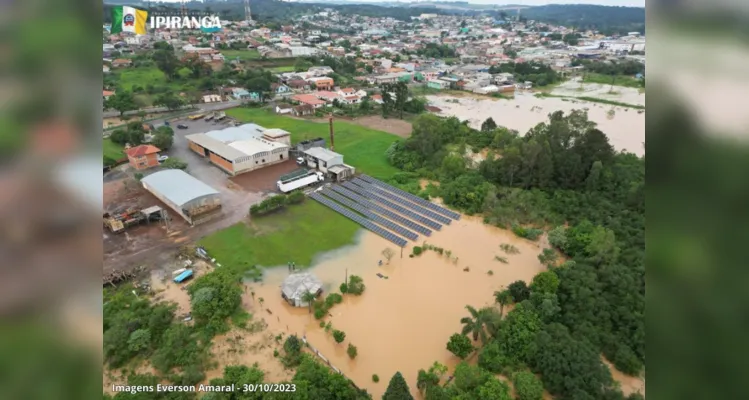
<point>388,253</point>
<point>460,345</point>
<point>397,389</point>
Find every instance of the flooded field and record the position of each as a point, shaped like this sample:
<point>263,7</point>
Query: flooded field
<point>621,94</point>
<point>402,323</point>
<point>625,128</point>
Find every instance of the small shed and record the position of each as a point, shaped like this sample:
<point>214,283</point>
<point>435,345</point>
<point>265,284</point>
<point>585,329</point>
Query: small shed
<point>322,158</point>
<point>189,197</point>
<point>296,285</point>
<point>341,172</point>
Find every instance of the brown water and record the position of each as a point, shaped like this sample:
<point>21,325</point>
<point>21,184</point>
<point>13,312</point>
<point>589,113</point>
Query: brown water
<point>629,384</point>
<point>403,323</point>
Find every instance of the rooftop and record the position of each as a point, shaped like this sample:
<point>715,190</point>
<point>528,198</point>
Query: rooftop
<point>297,284</point>
<point>322,154</point>
<point>275,132</point>
<point>255,145</point>
<point>142,150</point>
<point>177,186</point>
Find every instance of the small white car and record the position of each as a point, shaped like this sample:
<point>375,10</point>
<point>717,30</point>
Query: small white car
<point>163,158</point>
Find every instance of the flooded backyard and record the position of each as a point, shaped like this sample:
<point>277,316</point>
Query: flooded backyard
<point>625,128</point>
<point>401,323</point>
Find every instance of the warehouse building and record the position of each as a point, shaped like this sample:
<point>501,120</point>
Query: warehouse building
<point>241,149</point>
<point>329,162</point>
<point>186,195</point>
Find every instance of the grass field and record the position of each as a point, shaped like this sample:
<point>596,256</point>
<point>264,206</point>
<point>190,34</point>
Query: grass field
<point>244,55</point>
<point>592,99</point>
<point>311,227</point>
<point>112,150</point>
<point>285,68</point>
<point>619,80</point>
<point>363,148</point>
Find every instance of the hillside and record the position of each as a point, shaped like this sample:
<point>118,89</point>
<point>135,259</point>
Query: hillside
<point>603,18</point>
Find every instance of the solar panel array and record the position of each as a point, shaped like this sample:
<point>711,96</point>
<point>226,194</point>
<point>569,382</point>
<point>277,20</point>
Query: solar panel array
<point>363,192</point>
<point>390,196</point>
<point>399,241</point>
<point>384,211</point>
<point>369,214</point>
<point>409,196</point>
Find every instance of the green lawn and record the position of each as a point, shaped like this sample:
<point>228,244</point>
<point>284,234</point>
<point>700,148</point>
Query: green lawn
<point>363,148</point>
<point>112,150</point>
<point>297,234</point>
<point>244,55</point>
<point>285,68</point>
<point>142,77</point>
<point>619,80</point>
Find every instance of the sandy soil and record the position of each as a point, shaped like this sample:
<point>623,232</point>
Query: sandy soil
<point>625,129</point>
<point>395,126</point>
<point>572,88</point>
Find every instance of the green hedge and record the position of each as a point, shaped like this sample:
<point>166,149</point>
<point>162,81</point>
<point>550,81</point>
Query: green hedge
<point>277,202</point>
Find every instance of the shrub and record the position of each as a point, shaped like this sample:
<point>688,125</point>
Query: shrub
<point>339,336</point>
<point>527,386</point>
<point>352,351</point>
<point>528,233</point>
<point>174,163</point>
<point>320,313</point>
<point>417,250</point>
<point>138,176</point>
<point>322,324</point>
<point>501,259</point>
<point>344,288</point>
<point>375,378</point>
<point>295,197</point>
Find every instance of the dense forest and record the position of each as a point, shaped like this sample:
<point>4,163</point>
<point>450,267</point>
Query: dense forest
<point>608,20</point>
<point>563,177</point>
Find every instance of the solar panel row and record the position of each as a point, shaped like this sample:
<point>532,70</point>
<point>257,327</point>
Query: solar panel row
<point>399,241</point>
<point>361,191</point>
<point>414,198</point>
<point>372,206</point>
<point>389,195</point>
<point>369,214</point>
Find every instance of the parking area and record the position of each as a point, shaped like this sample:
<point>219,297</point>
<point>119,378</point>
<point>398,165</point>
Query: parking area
<point>151,245</point>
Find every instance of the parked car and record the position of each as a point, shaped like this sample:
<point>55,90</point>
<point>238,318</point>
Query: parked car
<point>181,126</point>
<point>163,158</point>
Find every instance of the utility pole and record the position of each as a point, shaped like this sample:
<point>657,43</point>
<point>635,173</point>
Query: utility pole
<point>247,13</point>
<point>332,143</point>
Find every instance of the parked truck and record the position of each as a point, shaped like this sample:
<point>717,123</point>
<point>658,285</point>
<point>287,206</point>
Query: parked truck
<point>301,181</point>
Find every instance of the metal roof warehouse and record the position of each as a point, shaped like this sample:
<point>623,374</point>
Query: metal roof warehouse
<point>189,197</point>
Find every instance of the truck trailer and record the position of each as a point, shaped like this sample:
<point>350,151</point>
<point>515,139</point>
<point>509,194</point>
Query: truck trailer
<point>310,178</point>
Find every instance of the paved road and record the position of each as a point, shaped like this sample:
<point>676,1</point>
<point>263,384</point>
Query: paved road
<point>202,107</point>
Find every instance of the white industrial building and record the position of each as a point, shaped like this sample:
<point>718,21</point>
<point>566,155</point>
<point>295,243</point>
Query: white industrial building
<point>189,197</point>
<point>241,149</point>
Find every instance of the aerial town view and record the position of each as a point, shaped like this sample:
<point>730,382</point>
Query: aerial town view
<point>373,200</point>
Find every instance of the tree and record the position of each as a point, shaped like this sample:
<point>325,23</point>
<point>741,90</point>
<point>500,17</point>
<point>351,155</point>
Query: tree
<point>388,253</point>
<point>352,351</point>
<point>494,389</point>
<point>519,291</point>
<point>162,141</point>
<point>169,100</point>
<point>365,105</point>
<point>293,349</point>
<point>397,389</point>
<point>339,336</point>
<point>309,298</point>
<point>476,323</point>
<point>432,377</point>
<point>213,298</point>
<point>139,340</point>
<point>558,237</point>
<point>355,285</point>
<point>460,345</point>
<point>518,332</point>
<point>527,386</point>
<point>592,182</point>
<point>545,282</point>
<point>174,163</point>
<point>301,65</point>
<point>121,101</point>
<point>548,257</point>
<point>602,247</point>
<point>488,125</point>
<point>261,86</point>
<point>504,298</point>
<point>167,62</point>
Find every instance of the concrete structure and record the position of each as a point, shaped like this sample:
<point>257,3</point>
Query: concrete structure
<point>322,82</point>
<point>192,199</point>
<point>241,149</point>
<point>308,99</point>
<point>143,157</point>
<point>322,158</point>
<point>296,285</point>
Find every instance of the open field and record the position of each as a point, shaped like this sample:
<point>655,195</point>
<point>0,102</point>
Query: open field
<point>243,55</point>
<point>296,233</point>
<point>284,68</point>
<point>620,94</point>
<point>362,147</point>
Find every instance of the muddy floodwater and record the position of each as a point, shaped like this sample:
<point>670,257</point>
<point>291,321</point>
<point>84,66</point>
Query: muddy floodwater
<point>401,323</point>
<point>625,127</point>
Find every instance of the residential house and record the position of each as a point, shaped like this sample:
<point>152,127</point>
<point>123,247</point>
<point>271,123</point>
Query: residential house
<point>327,96</point>
<point>302,110</point>
<point>107,94</point>
<point>322,83</point>
<point>284,109</point>
<point>438,84</point>
<point>353,99</point>
<point>143,157</point>
<point>377,98</point>
<point>241,94</point>
<point>280,89</point>
<point>308,99</point>
<point>121,62</point>
<point>298,85</point>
